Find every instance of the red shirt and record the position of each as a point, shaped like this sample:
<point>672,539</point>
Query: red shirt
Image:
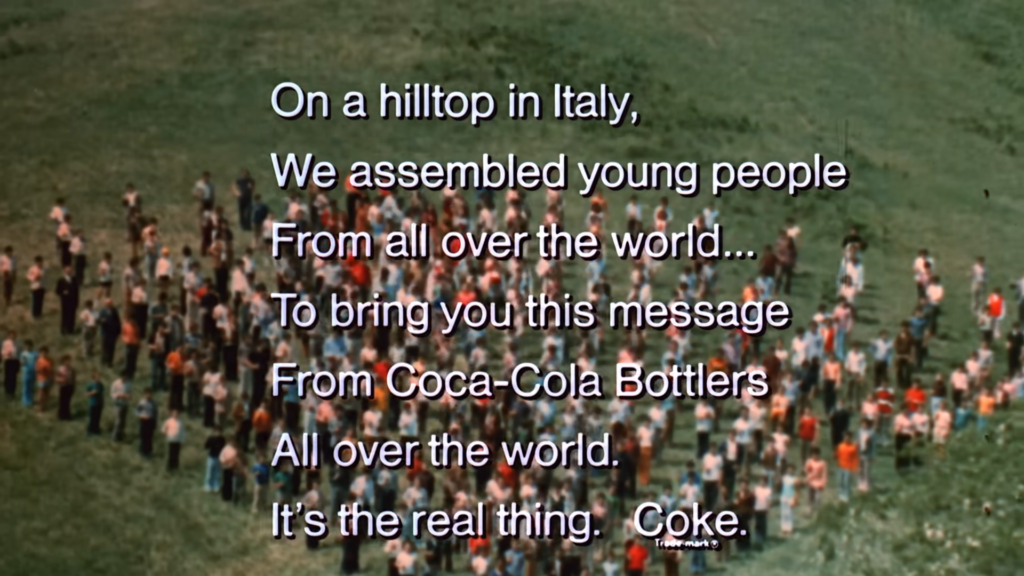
<point>885,398</point>
<point>830,339</point>
<point>636,557</point>
<point>914,399</point>
<point>995,305</point>
<point>360,273</point>
<point>807,427</point>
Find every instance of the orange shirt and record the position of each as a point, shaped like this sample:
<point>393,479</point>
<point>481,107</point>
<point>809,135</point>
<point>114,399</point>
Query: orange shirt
<point>175,363</point>
<point>465,297</point>
<point>129,334</point>
<point>986,403</point>
<point>749,294</point>
<point>261,421</point>
<point>44,369</point>
<point>717,364</point>
<point>832,371</point>
<point>847,456</point>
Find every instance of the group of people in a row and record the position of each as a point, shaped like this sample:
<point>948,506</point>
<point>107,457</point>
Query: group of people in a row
<point>207,323</point>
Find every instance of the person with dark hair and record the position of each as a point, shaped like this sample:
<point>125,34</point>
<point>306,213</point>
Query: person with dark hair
<point>35,277</point>
<point>11,363</point>
<point>146,412</point>
<point>94,392</point>
<point>109,321</point>
<point>174,431</point>
<point>65,381</point>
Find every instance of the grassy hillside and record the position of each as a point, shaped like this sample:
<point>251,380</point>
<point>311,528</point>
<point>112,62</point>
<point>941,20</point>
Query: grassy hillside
<point>96,93</point>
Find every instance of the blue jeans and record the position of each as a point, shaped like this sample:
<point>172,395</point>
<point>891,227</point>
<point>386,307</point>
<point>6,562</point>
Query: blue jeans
<point>845,478</point>
<point>212,481</point>
<point>158,373</point>
<point>28,389</point>
<point>698,563</point>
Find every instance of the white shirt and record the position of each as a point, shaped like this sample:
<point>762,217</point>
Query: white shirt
<point>712,467</point>
<point>645,437</point>
<point>856,363</point>
<point>35,277</point>
<point>903,424</point>
<point>762,498</point>
<point>87,318</point>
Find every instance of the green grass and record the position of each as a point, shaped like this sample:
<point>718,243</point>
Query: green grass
<point>95,93</point>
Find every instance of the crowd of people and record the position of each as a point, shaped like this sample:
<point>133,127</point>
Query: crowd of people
<point>203,315</point>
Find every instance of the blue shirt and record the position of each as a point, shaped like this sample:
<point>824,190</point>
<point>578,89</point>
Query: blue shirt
<point>28,361</point>
<point>335,346</point>
<point>97,398</point>
<point>918,324</point>
<point>261,474</point>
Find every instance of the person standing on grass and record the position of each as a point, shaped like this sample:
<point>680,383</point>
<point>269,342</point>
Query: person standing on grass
<point>7,272</point>
<point>636,558</point>
<point>855,366</point>
<point>762,506</point>
<point>11,362</point>
<point>816,477</point>
<point>78,256</point>
<point>44,377</point>
<point>228,462</point>
<point>903,429</point>
<point>866,447</point>
<point>94,392</point>
<point>215,443</point>
<point>262,425</point>
<point>67,291</point>
<point>743,506</point>
<point>904,346</point>
<point>260,483</point>
<point>88,318</point>
<point>130,337</point>
<point>157,345</point>
<point>120,393</point>
<point>174,432</point>
<point>807,429</point>
<point>140,307</point>
<point>146,412</point>
<point>1014,347</point>
<point>65,381</point>
<point>986,407</point>
<point>645,438</point>
<point>788,499</point>
<point>35,277</point>
<point>942,425</point>
<point>243,190</point>
<point>996,310</point>
<point>711,477</point>
<point>175,364</point>
<point>705,417</point>
<point>109,321</point>
<point>979,283</point>
<point>847,458</point>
